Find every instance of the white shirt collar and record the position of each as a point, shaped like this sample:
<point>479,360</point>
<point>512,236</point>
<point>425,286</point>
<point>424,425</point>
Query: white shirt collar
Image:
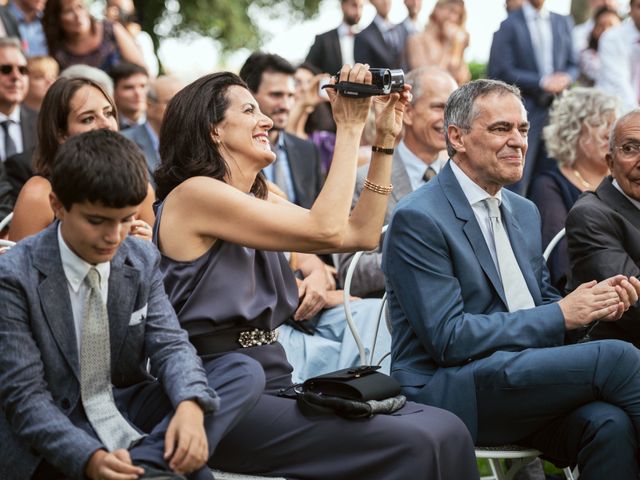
<point>531,13</point>
<point>471,189</point>
<point>75,268</point>
<point>635,202</point>
<point>414,165</point>
<point>14,116</point>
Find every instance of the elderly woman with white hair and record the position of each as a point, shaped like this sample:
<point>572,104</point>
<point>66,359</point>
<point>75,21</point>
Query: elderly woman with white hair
<point>577,138</point>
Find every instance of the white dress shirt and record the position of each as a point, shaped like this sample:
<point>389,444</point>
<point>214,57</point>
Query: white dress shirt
<point>539,25</point>
<point>415,166</point>
<point>580,36</point>
<point>476,196</point>
<point>15,131</point>
<point>619,53</point>
<point>345,36</point>
<point>75,269</point>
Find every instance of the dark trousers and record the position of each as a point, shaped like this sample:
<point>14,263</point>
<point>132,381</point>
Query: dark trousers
<point>419,442</point>
<point>578,404</point>
<point>238,380</point>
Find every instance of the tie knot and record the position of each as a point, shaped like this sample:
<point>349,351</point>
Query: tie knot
<point>429,174</point>
<point>93,278</point>
<point>493,207</point>
<point>5,123</point>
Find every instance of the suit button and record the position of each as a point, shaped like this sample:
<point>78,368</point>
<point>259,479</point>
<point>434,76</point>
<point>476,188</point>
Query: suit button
<point>65,403</point>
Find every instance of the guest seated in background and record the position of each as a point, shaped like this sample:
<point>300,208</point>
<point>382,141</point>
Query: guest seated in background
<point>603,227</point>
<point>310,117</point>
<point>417,160</point>
<point>478,329</point>
<point>43,71</point>
<point>442,42</point>
<point>577,137</point>
<point>81,403</point>
<point>74,36</point>
<point>71,106</point>
<point>220,232</point>
<point>130,86</point>
<point>589,59</point>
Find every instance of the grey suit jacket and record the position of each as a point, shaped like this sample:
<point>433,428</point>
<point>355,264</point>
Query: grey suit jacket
<point>446,300</point>
<point>39,360</point>
<point>306,169</point>
<point>603,236</point>
<point>368,279</point>
<point>140,136</point>
<point>28,125</point>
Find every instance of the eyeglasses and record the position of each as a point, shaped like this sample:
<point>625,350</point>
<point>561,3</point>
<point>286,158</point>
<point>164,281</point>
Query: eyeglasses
<point>630,150</point>
<point>7,69</point>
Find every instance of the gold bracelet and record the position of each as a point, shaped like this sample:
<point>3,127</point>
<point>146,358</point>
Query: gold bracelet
<point>374,187</point>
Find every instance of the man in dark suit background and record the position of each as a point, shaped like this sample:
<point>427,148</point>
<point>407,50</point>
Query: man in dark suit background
<point>160,92</point>
<point>533,50</point>
<point>477,327</point>
<point>603,227</point>
<point>84,316</point>
<point>333,49</point>
<point>297,169</point>
<point>381,44</point>
<point>416,160</point>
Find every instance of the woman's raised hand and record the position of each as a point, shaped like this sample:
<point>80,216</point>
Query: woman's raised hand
<point>389,111</point>
<point>348,111</point>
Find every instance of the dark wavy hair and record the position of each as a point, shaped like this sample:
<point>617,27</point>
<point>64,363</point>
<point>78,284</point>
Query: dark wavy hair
<point>186,147</point>
<point>54,116</point>
<point>52,26</point>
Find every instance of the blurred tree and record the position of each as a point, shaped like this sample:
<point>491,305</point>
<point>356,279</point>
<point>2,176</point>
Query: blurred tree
<point>227,21</point>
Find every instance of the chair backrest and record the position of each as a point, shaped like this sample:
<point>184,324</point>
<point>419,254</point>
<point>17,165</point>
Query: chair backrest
<point>553,243</point>
<point>347,311</point>
<point>5,221</point>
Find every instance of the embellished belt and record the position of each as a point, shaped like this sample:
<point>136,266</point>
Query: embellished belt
<point>228,340</point>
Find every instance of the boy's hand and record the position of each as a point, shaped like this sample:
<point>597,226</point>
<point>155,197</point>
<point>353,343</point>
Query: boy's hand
<point>116,465</point>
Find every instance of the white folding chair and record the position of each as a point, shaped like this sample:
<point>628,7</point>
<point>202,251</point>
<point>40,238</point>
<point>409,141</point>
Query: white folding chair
<point>519,456</point>
<point>553,244</point>
<point>5,221</point>
<point>238,476</point>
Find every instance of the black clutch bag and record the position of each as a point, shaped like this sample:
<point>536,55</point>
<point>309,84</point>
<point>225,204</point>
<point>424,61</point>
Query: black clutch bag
<point>357,392</point>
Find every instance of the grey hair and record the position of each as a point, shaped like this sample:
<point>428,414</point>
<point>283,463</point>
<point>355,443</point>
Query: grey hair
<point>12,42</point>
<point>414,78</point>
<point>92,73</point>
<point>460,108</point>
<point>574,110</point>
<point>616,125</point>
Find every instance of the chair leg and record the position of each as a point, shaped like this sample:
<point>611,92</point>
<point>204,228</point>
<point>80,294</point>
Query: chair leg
<point>571,474</point>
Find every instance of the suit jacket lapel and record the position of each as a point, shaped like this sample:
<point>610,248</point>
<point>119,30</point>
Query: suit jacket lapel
<point>123,285</point>
<point>54,297</point>
<point>557,40</point>
<point>471,229</point>
<point>611,196</point>
<point>292,152</point>
<point>334,46</point>
<point>517,239</point>
<point>153,159</point>
<point>529,53</point>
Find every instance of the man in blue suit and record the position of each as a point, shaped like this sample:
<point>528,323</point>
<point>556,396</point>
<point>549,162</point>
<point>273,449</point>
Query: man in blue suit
<point>97,379</point>
<point>533,50</point>
<point>477,328</point>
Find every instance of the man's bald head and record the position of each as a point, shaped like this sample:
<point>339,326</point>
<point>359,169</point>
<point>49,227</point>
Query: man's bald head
<point>160,93</point>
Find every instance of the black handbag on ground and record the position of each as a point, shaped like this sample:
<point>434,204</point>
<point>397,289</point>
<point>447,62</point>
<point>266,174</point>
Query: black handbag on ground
<point>356,392</point>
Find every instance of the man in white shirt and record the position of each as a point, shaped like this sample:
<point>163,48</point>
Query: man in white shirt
<point>582,31</point>
<point>603,227</point>
<point>619,52</point>
<point>334,48</point>
<point>417,159</point>
<point>477,328</point>
<point>17,125</point>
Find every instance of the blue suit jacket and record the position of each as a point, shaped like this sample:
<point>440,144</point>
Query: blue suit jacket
<point>39,360</point>
<point>447,305</point>
<point>140,137</point>
<point>512,58</point>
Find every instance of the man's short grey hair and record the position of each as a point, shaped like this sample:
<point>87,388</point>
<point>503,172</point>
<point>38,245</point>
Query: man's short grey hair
<point>613,141</point>
<point>460,111</point>
<point>12,42</point>
<point>92,73</point>
<point>576,109</point>
<point>414,78</point>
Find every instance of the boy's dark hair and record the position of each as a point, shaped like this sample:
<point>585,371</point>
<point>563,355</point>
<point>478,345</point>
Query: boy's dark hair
<point>101,167</point>
<point>124,70</point>
<point>258,63</point>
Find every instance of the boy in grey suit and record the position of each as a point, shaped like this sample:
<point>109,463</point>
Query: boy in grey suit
<point>84,314</point>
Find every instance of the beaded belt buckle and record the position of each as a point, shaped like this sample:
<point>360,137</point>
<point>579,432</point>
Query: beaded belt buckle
<point>256,337</point>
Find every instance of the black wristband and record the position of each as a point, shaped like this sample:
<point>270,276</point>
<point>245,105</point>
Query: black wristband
<point>388,151</point>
